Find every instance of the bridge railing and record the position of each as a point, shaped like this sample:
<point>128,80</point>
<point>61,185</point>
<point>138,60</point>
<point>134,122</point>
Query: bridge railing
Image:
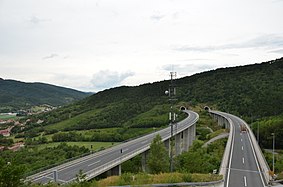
<point>226,156</point>
<point>264,167</point>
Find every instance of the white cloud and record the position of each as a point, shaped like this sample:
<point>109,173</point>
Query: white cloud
<point>66,42</point>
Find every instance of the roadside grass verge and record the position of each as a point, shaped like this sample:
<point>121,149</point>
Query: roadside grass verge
<point>143,178</point>
<point>90,145</point>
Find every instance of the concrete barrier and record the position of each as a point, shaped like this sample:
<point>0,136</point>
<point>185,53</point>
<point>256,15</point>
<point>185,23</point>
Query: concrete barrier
<point>264,167</point>
<point>226,155</point>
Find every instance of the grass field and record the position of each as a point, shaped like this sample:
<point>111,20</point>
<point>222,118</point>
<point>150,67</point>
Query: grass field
<point>72,121</point>
<point>5,117</point>
<point>95,145</point>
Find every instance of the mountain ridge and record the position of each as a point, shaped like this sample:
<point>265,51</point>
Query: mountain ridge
<point>17,94</point>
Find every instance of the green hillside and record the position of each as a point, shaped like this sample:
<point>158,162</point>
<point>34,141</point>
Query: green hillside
<point>252,91</point>
<point>19,95</point>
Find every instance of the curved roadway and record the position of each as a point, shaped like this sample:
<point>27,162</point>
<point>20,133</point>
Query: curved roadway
<point>243,168</point>
<point>98,163</point>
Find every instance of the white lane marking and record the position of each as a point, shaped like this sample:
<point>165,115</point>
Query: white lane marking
<point>245,180</point>
<point>241,139</point>
<point>125,150</point>
<point>242,148</point>
<point>243,160</point>
<point>93,163</point>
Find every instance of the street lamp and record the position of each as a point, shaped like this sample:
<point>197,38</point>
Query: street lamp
<point>172,116</point>
<point>258,133</point>
<point>273,134</point>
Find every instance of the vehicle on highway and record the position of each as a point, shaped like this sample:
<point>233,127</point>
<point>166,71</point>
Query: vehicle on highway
<point>243,128</point>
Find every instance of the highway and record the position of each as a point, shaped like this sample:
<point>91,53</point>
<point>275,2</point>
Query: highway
<point>243,168</point>
<point>98,163</point>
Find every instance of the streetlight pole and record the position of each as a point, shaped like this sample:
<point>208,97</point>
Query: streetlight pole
<point>258,133</point>
<point>172,115</point>
<point>273,134</point>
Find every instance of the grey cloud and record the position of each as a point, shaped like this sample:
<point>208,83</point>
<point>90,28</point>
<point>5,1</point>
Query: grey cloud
<point>266,41</point>
<point>108,79</point>
<point>53,55</point>
<point>36,20</point>
<point>157,17</point>
<point>280,51</point>
<point>188,69</point>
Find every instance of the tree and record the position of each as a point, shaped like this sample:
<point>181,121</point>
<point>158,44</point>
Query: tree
<point>10,174</point>
<point>158,160</point>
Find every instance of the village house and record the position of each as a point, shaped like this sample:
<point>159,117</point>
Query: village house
<point>16,146</point>
<point>5,132</point>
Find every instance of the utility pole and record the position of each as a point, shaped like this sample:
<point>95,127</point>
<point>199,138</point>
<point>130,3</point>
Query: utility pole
<point>273,147</point>
<point>172,116</point>
<point>258,133</point>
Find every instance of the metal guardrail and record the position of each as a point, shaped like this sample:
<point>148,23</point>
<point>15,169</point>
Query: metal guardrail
<point>226,156</point>
<point>264,167</point>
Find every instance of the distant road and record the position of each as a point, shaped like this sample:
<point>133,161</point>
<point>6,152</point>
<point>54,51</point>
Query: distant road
<point>243,169</point>
<point>96,163</point>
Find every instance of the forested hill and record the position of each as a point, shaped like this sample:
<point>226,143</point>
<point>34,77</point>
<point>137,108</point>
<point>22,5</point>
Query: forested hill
<point>250,91</point>
<point>16,94</point>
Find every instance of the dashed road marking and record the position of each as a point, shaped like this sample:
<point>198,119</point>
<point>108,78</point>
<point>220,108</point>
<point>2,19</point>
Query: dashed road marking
<point>243,160</point>
<point>93,163</point>
<point>245,180</point>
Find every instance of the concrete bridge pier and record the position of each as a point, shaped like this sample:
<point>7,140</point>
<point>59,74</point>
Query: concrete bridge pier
<point>167,144</point>
<point>227,124</point>
<point>186,140</point>
<point>178,143</point>
<point>114,171</point>
<point>192,134</point>
<point>143,161</point>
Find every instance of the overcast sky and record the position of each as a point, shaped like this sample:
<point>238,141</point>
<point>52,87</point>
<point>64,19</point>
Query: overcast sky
<point>91,45</point>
